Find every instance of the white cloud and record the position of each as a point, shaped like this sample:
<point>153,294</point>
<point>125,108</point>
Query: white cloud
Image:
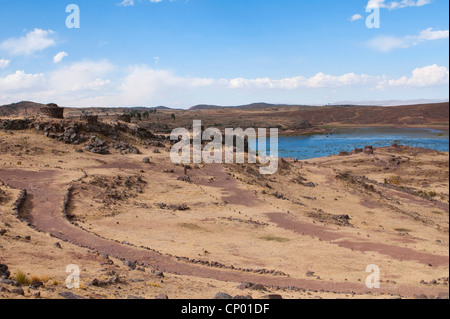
<point>34,41</point>
<point>429,34</point>
<point>392,5</point>
<point>320,80</point>
<point>59,57</point>
<point>89,83</point>
<point>80,76</point>
<point>4,63</point>
<point>389,43</point>
<point>127,3</point>
<point>356,17</point>
<point>130,3</point>
<point>20,81</point>
<point>68,85</point>
<point>143,83</point>
<point>432,75</point>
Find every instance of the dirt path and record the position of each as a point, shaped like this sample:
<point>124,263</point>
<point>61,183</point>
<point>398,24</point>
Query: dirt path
<point>358,244</point>
<point>45,202</point>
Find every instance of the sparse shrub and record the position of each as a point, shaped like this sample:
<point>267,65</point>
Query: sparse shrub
<point>39,278</point>
<point>394,180</point>
<point>190,226</point>
<point>22,278</point>
<point>275,238</point>
<point>403,230</point>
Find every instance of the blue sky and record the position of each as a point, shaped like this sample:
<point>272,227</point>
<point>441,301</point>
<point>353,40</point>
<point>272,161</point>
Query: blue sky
<point>228,52</point>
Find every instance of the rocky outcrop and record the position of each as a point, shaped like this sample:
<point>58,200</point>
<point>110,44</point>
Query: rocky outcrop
<point>124,118</point>
<point>97,146</point>
<point>4,272</point>
<point>15,125</point>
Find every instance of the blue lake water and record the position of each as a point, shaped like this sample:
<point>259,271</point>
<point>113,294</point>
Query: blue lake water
<point>347,139</point>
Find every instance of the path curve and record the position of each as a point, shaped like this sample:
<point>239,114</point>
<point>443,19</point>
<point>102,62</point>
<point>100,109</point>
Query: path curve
<point>45,215</point>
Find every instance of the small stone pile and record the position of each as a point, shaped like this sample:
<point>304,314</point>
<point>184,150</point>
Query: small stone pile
<point>97,146</point>
<point>126,148</point>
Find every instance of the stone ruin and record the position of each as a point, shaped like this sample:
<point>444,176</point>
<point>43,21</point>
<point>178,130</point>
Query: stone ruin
<point>52,111</point>
<point>90,119</point>
<point>124,118</point>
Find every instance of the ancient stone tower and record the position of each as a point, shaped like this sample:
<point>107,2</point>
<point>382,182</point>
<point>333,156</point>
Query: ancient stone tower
<point>52,111</point>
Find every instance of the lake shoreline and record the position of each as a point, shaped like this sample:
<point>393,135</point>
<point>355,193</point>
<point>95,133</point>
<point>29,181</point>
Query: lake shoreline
<point>328,129</point>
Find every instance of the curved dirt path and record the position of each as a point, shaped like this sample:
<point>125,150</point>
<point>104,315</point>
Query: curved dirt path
<point>46,190</point>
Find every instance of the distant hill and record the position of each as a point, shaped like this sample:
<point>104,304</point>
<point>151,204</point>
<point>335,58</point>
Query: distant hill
<point>20,109</point>
<point>205,107</point>
<point>247,106</point>
<point>277,114</point>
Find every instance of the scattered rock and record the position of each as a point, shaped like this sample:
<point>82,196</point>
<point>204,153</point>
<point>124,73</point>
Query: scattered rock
<point>130,264</point>
<point>57,245</point>
<point>243,297</point>
<point>245,285</point>
<point>36,285</point>
<point>162,297</point>
<point>97,146</point>
<point>126,148</point>
<point>159,274</point>
<point>18,291</point>
<point>258,287</point>
<point>309,273</point>
<point>272,297</point>
<point>186,179</point>
<point>4,273</point>
<point>69,295</point>
<point>222,295</point>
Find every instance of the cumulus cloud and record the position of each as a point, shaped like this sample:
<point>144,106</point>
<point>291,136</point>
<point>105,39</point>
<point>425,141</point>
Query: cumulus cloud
<point>71,85</point>
<point>34,41</point>
<point>429,34</point>
<point>4,63</point>
<point>91,83</point>
<point>356,17</point>
<point>432,75</point>
<point>392,5</point>
<point>81,76</point>
<point>20,81</point>
<point>320,80</point>
<point>59,57</point>
<point>143,83</point>
<point>389,43</point>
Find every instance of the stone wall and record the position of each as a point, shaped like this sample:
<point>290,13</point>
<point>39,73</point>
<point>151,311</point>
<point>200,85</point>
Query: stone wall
<point>52,111</point>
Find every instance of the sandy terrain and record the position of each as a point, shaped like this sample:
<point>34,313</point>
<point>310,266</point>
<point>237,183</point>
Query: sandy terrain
<point>308,231</point>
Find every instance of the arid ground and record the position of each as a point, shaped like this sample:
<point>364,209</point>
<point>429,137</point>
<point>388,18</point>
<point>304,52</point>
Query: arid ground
<point>138,227</point>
